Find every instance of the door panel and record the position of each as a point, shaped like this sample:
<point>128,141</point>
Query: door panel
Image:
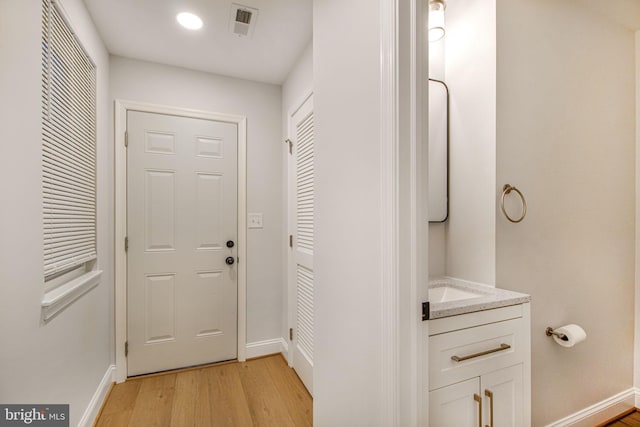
<point>508,401</point>
<point>208,209</point>
<point>302,180</point>
<point>181,210</point>
<point>159,210</point>
<point>159,308</point>
<point>454,405</point>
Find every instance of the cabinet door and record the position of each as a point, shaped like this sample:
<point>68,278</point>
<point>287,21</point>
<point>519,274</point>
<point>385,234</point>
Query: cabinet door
<point>455,405</point>
<point>502,392</point>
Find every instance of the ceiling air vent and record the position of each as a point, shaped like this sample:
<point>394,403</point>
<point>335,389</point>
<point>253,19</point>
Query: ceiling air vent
<point>243,19</point>
<point>243,16</point>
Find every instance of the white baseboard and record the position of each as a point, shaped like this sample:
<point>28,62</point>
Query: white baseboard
<point>266,347</point>
<point>96,401</point>
<point>601,411</point>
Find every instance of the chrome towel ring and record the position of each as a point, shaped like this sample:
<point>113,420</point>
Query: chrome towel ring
<point>506,190</point>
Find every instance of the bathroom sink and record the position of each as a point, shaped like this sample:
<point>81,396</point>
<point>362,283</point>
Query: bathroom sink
<point>447,293</point>
<point>450,296</point>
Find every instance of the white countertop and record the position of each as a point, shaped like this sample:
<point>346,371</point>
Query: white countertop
<point>489,297</point>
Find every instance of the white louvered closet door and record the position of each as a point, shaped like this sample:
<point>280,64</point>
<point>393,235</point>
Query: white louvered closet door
<point>303,158</point>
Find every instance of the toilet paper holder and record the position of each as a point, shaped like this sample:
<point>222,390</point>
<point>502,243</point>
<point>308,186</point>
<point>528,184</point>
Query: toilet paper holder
<point>549,332</point>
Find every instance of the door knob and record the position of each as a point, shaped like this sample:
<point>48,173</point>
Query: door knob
<point>230,260</point>
<point>230,243</point>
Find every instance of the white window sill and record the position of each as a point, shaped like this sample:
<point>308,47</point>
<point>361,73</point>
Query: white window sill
<point>61,297</point>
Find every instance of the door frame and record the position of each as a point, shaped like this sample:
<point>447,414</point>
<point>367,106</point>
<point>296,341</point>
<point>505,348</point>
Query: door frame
<point>120,212</point>
<point>291,225</point>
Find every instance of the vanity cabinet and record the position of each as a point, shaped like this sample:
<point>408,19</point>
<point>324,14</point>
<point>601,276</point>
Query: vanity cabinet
<point>480,369</point>
<point>499,393</point>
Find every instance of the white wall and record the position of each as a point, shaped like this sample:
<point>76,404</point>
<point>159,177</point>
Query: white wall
<point>261,103</point>
<point>566,138</point>
<point>298,83</point>
<point>348,286</point>
<point>470,72</point>
<point>437,231</point>
<point>464,246</point>
<point>64,360</point>
<point>296,87</point>
<point>437,56</point>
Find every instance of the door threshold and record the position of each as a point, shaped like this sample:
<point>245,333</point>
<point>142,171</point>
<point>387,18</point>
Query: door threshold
<point>180,370</point>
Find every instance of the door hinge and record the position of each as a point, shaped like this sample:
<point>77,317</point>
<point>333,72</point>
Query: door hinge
<point>425,311</point>
<point>288,141</point>
<point>290,334</point>
<point>291,240</point>
<point>126,139</point>
<point>126,348</point>
<point>126,243</point>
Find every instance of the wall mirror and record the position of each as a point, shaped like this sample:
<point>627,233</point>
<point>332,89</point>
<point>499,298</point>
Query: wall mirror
<point>438,151</point>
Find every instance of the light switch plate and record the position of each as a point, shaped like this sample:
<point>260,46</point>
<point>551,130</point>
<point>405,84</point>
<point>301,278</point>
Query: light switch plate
<point>254,220</point>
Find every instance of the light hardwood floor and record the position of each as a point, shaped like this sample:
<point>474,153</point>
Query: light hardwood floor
<point>629,420</point>
<point>260,392</point>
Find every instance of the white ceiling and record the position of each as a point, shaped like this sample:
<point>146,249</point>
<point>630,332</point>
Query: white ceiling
<point>148,30</point>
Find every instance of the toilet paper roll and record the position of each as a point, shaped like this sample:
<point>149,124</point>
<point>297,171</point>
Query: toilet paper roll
<point>573,334</point>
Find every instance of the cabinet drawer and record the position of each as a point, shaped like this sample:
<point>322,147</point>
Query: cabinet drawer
<point>478,350</point>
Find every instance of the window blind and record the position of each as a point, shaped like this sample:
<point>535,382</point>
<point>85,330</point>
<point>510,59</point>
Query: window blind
<point>68,146</point>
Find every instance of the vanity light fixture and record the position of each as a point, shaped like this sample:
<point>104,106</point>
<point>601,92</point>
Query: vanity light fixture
<point>189,20</point>
<point>436,19</point>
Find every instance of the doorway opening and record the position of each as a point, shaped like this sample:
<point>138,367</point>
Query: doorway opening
<point>237,253</point>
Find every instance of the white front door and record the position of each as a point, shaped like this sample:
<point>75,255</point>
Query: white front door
<point>182,234</point>
<point>301,183</point>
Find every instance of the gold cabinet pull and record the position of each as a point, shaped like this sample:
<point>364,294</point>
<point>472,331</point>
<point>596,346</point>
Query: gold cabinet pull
<point>482,353</point>
<point>478,399</point>
<point>489,394</point>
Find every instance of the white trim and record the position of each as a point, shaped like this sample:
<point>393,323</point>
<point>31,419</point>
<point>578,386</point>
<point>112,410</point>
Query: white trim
<point>59,298</point>
<point>419,94</point>
<point>526,366</point>
<point>291,217</point>
<point>601,411</point>
<point>120,114</point>
<point>636,346</point>
<point>242,237</point>
<point>389,213</point>
<point>267,347</point>
<point>90,414</point>
<point>120,231</point>
<point>410,226</point>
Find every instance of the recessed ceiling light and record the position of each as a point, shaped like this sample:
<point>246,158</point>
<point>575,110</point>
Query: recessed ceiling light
<point>189,20</point>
